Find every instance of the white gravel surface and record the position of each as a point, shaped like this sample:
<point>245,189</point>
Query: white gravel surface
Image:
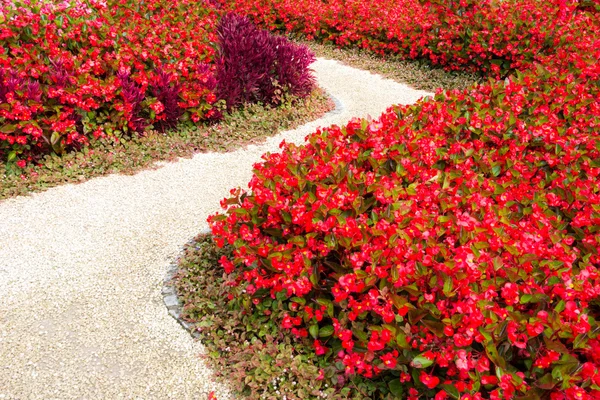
<point>81,266</point>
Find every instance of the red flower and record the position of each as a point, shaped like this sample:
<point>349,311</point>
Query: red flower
<point>226,264</point>
<point>390,359</point>
<point>319,348</point>
<point>429,380</point>
<point>489,380</point>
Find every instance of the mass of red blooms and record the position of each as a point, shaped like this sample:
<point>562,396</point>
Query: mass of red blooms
<point>74,70</point>
<point>494,36</point>
<point>79,70</point>
<point>451,247</point>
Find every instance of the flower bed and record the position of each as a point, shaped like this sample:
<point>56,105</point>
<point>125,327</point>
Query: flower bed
<point>490,35</point>
<point>78,70</point>
<point>75,71</point>
<point>450,248</point>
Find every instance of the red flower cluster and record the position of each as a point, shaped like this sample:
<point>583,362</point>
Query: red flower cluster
<point>486,35</point>
<point>453,245</point>
<point>84,69</point>
<point>60,61</point>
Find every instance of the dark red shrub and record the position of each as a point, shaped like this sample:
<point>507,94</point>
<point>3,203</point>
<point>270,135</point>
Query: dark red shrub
<point>255,66</point>
<point>244,62</point>
<point>167,110</point>
<point>33,91</point>
<point>9,83</point>
<point>292,67</point>
<point>58,74</point>
<point>132,95</point>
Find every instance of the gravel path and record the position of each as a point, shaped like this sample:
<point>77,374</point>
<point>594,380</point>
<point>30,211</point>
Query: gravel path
<point>81,267</point>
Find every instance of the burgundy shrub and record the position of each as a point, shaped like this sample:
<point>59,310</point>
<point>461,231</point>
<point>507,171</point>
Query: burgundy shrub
<point>9,83</point>
<point>210,81</point>
<point>167,93</point>
<point>58,74</point>
<point>33,91</point>
<point>244,62</point>
<point>253,64</point>
<point>133,95</point>
<point>3,86</point>
<point>292,67</point>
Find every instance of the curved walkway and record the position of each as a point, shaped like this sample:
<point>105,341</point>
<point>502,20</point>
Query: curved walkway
<point>81,266</point>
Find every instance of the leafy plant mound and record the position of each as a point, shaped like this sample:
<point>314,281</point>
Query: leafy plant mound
<point>493,36</point>
<point>256,66</point>
<point>75,72</point>
<point>248,350</point>
<point>246,125</point>
<point>449,248</point>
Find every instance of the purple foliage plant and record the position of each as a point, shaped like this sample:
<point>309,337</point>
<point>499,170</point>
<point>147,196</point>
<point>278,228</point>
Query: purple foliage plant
<point>10,82</point>
<point>33,91</point>
<point>58,74</point>
<point>133,95</point>
<point>167,92</point>
<point>255,66</point>
<point>292,67</point>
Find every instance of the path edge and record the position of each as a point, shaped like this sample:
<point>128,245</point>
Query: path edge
<point>169,293</point>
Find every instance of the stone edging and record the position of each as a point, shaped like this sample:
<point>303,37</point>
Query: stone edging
<point>169,293</point>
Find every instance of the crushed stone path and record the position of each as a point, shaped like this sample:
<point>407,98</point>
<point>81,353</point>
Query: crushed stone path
<point>82,266</point>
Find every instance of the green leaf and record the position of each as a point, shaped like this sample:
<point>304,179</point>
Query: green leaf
<point>326,331</point>
<point>560,307</point>
<point>54,138</point>
<point>396,388</point>
<point>526,298</point>
<point>359,333</point>
<point>451,390</point>
<point>314,331</point>
<point>421,361</point>
<point>412,289</point>
<point>415,316</point>
<point>545,382</point>
<point>8,128</point>
<point>314,279</point>
<point>448,286</point>
<point>399,301</point>
<point>298,300</point>
<point>494,356</point>
<point>435,326</point>
<point>323,302</point>
<point>556,346</point>
<point>401,340</point>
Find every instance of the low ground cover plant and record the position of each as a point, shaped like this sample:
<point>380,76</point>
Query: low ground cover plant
<point>247,349</point>
<point>447,249</point>
<point>246,125</point>
<point>79,71</point>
